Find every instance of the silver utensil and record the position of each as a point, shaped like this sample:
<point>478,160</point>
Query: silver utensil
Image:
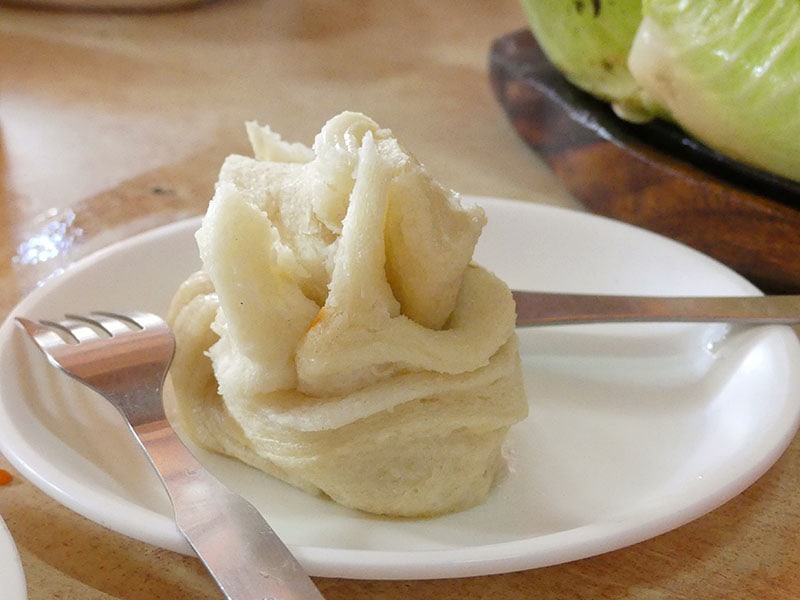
<point>545,308</point>
<point>125,358</point>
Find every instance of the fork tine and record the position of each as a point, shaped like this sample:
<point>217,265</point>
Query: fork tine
<point>42,334</point>
<point>75,327</point>
<point>113,325</point>
<point>142,320</point>
<point>47,340</point>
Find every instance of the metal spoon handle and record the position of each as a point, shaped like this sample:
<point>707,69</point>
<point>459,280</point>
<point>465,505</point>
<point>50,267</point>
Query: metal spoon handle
<point>545,308</point>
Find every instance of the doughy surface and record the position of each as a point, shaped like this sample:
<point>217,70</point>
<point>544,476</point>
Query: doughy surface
<point>338,335</point>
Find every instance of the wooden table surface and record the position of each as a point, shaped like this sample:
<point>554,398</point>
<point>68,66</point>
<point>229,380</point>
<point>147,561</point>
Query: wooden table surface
<point>111,123</point>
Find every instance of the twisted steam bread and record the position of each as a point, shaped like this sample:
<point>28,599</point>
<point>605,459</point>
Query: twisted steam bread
<point>338,336</point>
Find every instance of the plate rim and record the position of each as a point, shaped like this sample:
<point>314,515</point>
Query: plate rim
<point>366,563</point>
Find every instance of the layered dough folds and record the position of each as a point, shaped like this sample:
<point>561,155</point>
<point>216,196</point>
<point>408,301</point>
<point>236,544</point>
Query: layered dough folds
<point>338,335</point>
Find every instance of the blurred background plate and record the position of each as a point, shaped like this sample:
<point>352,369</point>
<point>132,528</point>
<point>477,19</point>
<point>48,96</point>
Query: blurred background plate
<point>652,175</point>
<point>11,574</point>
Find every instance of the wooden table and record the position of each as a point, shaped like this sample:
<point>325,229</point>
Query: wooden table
<point>111,123</point>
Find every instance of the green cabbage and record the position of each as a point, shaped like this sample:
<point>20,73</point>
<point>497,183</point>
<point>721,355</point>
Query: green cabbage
<point>589,42</point>
<point>727,71</point>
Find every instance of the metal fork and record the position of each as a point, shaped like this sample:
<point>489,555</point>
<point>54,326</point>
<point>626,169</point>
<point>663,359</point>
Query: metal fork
<point>125,358</point>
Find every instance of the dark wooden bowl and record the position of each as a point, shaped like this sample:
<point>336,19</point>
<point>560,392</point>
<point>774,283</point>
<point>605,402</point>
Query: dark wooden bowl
<point>653,175</point>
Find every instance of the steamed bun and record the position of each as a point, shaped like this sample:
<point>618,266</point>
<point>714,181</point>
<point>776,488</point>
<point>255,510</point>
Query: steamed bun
<point>339,336</point>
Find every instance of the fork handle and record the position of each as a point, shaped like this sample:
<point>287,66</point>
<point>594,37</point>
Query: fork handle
<point>240,550</point>
<point>546,308</point>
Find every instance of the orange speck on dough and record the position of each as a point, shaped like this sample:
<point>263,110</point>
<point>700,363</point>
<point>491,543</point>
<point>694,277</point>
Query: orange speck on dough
<point>5,477</point>
<point>316,320</point>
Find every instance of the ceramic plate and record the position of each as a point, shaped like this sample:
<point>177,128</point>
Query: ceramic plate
<point>11,573</point>
<point>634,429</point>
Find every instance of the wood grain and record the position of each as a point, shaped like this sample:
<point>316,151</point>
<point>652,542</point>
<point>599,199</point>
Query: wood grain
<point>653,176</point>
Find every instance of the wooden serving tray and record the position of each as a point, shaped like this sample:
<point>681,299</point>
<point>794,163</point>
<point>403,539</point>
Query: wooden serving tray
<point>653,175</point>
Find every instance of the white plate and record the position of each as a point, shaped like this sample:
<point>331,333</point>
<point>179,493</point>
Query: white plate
<point>11,573</point>
<point>634,429</point>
